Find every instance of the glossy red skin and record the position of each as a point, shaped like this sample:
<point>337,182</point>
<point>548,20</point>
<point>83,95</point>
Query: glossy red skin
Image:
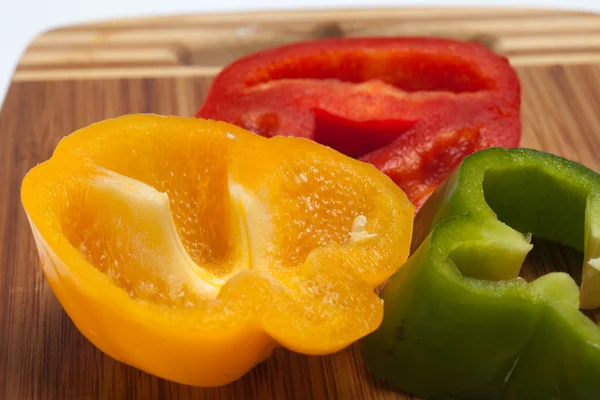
<point>413,107</point>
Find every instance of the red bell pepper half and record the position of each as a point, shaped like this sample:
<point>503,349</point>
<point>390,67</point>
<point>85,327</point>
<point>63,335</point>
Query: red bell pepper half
<point>413,107</point>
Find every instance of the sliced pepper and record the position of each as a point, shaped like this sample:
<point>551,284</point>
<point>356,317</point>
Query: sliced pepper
<point>191,248</point>
<point>459,323</point>
<point>413,107</point>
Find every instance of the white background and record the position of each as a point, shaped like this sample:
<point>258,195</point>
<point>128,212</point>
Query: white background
<point>22,20</point>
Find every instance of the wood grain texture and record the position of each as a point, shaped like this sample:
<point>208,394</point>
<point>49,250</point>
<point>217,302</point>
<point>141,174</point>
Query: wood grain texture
<point>201,45</point>
<point>43,356</point>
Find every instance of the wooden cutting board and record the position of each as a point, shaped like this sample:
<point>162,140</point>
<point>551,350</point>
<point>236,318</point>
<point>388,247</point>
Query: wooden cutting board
<point>73,76</point>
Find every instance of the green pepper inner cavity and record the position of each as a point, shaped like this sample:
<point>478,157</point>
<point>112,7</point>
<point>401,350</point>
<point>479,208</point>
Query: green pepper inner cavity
<point>529,199</point>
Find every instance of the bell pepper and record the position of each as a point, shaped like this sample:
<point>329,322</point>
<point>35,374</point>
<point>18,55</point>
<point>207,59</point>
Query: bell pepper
<point>191,248</point>
<point>458,321</point>
<point>413,107</point>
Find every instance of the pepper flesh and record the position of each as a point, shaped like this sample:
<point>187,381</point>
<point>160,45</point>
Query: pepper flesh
<point>413,107</point>
<point>458,323</point>
<point>191,248</point>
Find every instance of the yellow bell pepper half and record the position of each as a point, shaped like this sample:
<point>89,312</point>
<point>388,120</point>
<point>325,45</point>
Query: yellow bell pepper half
<point>191,248</point>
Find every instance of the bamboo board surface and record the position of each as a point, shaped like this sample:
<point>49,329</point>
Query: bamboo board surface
<point>73,76</point>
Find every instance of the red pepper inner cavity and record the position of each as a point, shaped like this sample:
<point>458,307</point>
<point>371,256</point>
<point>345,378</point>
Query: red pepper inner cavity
<point>354,135</point>
<point>356,138</point>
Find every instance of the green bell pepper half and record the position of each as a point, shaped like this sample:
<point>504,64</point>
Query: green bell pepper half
<point>458,321</point>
